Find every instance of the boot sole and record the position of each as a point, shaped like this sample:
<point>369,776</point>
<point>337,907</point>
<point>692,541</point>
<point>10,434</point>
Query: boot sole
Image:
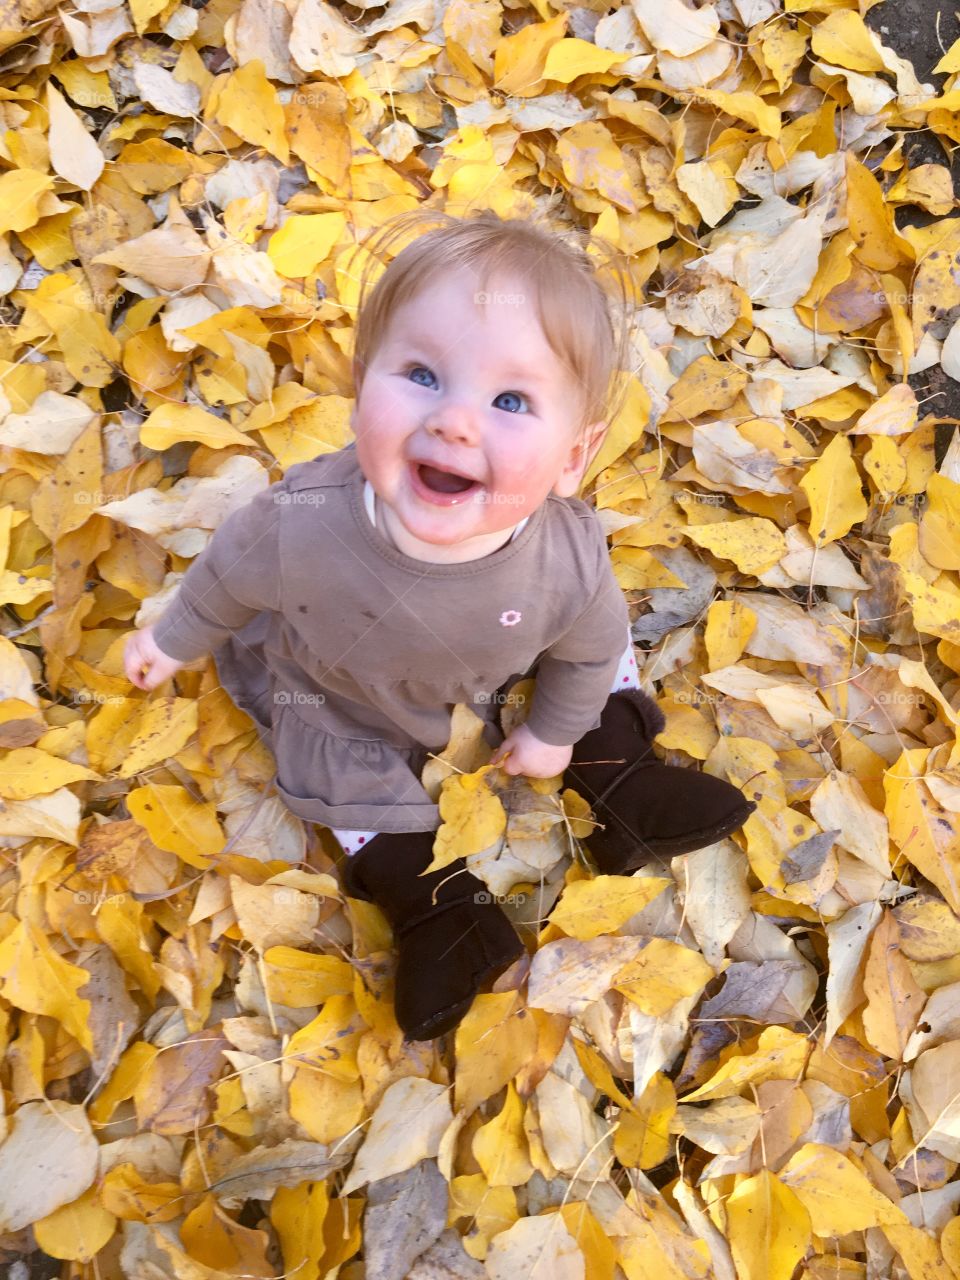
<point>679,845</point>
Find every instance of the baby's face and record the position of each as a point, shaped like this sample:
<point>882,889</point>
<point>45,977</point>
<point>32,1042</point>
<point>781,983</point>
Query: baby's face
<point>466,420</point>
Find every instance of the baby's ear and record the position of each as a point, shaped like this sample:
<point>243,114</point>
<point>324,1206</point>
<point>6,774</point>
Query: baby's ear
<point>585,445</point>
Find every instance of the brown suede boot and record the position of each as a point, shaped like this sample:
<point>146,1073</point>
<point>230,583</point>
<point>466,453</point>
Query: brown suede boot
<point>649,811</point>
<point>450,934</point>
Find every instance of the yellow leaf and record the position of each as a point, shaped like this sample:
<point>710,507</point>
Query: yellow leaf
<point>304,241</point>
<point>329,1042</point>
<point>950,1239</point>
<point>639,570</point>
<point>871,220</point>
<point>590,157</point>
<point>885,467</point>
<point>496,1038</point>
<point>65,499</point>
<point>87,88</point>
<point>76,1231</point>
<point>411,1118</point>
<point>730,624</point>
<point>769,1228</point>
<point>673,28</point>
<point>472,818</point>
<point>837,1195</point>
<point>122,1084</point>
<point>248,105</point>
<point>297,1214</point>
<point>711,187</point>
<point>176,822</point>
<point>844,38</point>
<point>143,11</point>
<point>832,486</point>
<point>90,350</point>
<point>591,907</point>
<point>164,727</point>
<point>599,1253</point>
<point>780,1055</point>
<point>20,193</point>
<point>35,978</point>
<point>169,424</point>
<point>686,729</point>
<point>940,523</point>
<point>320,426</point>
<point>519,58</point>
<point>173,1095</point>
<point>663,973</point>
<point>919,1252</point>
<point>754,544</point>
<point>500,1146</point>
<point>935,610</point>
<point>212,1237</point>
<point>635,478</point>
<point>128,1195</point>
<point>270,915</point>
<point>642,1139</point>
<point>783,49</point>
<point>301,979</point>
<point>120,923</point>
<point>489,1210</point>
<point>705,385</point>
<point>27,772</point>
<point>894,414</point>
<point>326,1108</point>
<point>748,107</point>
<point>570,58</point>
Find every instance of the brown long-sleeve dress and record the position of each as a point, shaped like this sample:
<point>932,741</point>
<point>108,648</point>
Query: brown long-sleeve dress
<point>350,655</point>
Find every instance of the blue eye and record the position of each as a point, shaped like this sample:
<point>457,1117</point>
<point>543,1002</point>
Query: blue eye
<point>422,368</point>
<point>516,395</point>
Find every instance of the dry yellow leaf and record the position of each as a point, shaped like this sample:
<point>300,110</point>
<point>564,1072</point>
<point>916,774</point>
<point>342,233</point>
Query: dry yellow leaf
<point>832,486</point>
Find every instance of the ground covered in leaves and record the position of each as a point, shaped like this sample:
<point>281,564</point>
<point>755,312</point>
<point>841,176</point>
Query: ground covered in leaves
<point>744,1064</point>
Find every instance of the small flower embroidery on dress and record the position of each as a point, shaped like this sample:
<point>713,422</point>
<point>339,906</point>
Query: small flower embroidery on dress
<point>510,618</point>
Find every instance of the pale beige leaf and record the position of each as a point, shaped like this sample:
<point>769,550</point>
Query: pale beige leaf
<point>161,90</point>
<point>273,915</point>
<point>48,1159</point>
<point>847,940</point>
<point>74,155</point>
<point>567,975</point>
<point>406,1128</point>
<point>172,257</point>
<point>841,804</point>
<point>536,1247</point>
<point>671,26</point>
<point>716,898</point>
<point>50,425</point>
<point>935,1086</point>
<point>894,1001</point>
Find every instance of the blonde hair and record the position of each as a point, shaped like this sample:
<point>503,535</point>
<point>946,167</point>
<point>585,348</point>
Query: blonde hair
<point>586,328</point>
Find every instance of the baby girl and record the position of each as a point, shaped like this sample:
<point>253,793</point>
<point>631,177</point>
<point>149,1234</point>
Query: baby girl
<point>433,560</point>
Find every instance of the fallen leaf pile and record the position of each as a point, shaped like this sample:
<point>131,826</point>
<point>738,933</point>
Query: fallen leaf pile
<point>742,1065</point>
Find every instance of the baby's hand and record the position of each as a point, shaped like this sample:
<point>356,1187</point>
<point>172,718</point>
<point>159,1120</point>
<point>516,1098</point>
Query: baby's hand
<point>529,756</point>
<point>147,665</point>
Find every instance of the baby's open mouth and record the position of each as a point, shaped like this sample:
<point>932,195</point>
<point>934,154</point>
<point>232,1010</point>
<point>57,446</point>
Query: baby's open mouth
<point>444,481</point>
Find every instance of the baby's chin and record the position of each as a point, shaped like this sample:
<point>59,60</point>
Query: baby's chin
<point>452,527</point>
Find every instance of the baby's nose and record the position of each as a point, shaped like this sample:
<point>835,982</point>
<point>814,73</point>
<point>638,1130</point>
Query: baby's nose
<point>458,424</point>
